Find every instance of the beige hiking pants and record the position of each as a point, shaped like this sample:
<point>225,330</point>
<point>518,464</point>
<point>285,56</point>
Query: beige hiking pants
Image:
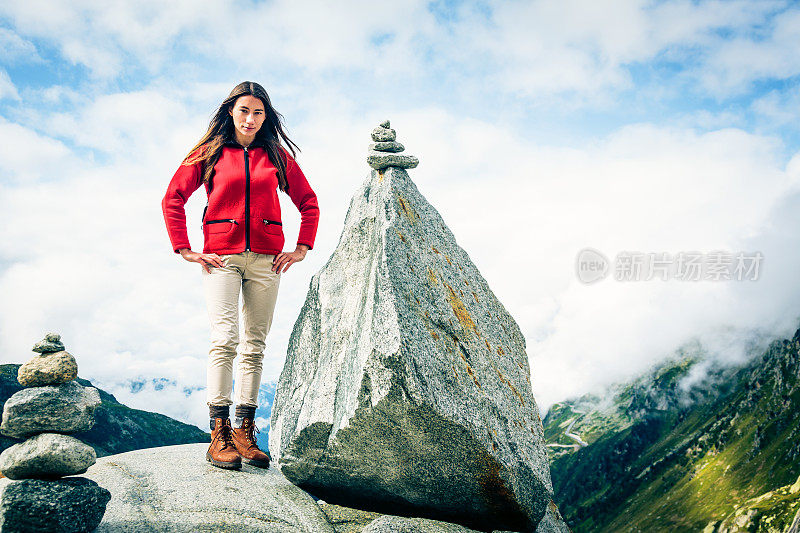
<point>252,273</point>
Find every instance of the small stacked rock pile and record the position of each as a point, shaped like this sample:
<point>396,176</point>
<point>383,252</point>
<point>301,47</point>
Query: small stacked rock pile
<point>384,152</point>
<point>53,404</point>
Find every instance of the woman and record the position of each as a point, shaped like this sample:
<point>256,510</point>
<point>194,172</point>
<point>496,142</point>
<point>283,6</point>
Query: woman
<point>242,164</point>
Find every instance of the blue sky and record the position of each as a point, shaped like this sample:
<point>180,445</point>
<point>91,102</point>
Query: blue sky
<point>659,126</point>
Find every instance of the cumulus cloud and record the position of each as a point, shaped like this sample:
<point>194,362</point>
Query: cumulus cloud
<point>536,49</point>
<point>7,87</point>
<point>16,49</point>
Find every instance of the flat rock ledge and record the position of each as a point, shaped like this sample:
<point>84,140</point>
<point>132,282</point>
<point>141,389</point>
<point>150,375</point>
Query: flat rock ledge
<point>174,488</point>
<point>351,520</point>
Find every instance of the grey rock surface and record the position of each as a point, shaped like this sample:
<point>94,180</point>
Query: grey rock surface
<point>346,519</point>
<point>400,524</point>
<point>60,409</point>
<point>381,160</point>
<point>406,382</point>
<point>69,504</point>
<point>174,488</point>
<point>50,343</point>
<point>387,146</point>
<point>48,369</point>
<point>553,522</point>
<point>47,456</point>
<point>381,134</point>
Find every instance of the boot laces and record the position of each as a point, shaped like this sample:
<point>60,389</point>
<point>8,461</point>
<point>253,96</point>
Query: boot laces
<point>225,434</point>
<point>252,429</point>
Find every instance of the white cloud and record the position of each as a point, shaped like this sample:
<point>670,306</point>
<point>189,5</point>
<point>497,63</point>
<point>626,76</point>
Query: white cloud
<point>778,108</point>
<point>28,156</point>
<point>7,88</point>
<point>535,49</point>
<point>733,65</point>
<point>16,49</point>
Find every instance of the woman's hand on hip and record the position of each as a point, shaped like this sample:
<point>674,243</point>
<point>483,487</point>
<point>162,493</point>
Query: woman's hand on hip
<point>286,259</point>
<point>207,260</point>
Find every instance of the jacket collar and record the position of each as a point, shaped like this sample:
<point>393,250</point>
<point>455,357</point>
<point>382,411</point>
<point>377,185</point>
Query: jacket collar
<point>230,140</point>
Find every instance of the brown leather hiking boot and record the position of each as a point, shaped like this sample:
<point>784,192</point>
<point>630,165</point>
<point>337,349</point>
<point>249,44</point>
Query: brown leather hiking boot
<point>245,441</point>
<point>222,452</point>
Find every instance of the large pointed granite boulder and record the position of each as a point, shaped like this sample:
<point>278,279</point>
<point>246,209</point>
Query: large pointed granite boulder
<point>406,387</point>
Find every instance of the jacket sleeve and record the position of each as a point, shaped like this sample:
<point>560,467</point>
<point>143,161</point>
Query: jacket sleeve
<point>306,201</point>
<point>186,180</point>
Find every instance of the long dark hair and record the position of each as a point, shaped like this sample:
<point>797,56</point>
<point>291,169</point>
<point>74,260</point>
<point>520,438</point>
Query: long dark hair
<point>221,131</point>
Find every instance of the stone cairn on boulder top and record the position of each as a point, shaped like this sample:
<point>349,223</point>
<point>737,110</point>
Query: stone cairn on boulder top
<point>406,388</point>
<point>51,405</point>
<point>384,152</point>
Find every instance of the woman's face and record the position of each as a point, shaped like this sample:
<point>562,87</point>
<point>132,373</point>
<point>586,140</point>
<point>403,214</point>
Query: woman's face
<point>248,116</point>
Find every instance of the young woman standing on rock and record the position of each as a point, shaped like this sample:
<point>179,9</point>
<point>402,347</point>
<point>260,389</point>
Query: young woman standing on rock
<point>242,164</point>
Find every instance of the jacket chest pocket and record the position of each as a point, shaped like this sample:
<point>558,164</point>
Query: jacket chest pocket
<point>219,226</point>
<point>273,227</point>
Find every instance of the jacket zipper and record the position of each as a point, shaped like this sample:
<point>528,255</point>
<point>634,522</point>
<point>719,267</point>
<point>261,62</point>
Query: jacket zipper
<point>268,222</point>
<point>222,220</point>
<point>246,201</point>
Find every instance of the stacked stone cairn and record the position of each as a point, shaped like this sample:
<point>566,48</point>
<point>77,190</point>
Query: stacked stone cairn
<point>385,151</point>
<point>51,405</point>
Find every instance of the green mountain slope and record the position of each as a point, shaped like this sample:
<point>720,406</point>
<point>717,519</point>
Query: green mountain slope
<point>682,448</point>
<point>117,428</point>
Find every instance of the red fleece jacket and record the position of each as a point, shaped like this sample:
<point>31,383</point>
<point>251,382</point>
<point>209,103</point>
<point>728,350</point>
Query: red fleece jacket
<point>243,211</point>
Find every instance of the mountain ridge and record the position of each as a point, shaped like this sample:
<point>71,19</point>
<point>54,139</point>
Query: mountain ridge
<point>118,428</point>
<point>653,462</point>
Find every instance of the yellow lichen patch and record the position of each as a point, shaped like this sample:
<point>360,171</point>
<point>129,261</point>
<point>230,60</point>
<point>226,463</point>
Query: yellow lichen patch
<point>432,277</point>
<point>500,351</point>
<point>488,346</point>
<point>472,374</point>
<point>510,386</point>
<point>434,249</point>
<point>460,310</point>
<point>406,209</point>
<point>515,391</point>
<point>380,175</point>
